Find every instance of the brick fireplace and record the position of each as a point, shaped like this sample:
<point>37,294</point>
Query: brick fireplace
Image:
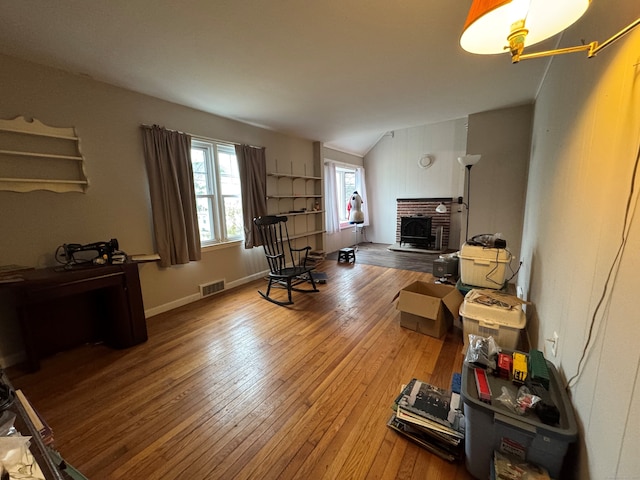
<point>424,207</point>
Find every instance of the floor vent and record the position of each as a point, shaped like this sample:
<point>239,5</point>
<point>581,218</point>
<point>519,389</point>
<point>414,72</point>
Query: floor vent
<point>208,289</point>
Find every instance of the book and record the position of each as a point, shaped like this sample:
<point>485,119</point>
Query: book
<point>422,438</point>
<point>431,407</point>
<point>431,417</point>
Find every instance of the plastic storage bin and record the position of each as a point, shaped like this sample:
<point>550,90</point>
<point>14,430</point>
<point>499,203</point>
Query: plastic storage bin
<point>483,267</point>
<point>490,427</point>
<point>503,324</point>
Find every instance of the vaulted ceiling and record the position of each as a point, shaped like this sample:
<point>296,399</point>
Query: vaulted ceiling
<point>343,72</point>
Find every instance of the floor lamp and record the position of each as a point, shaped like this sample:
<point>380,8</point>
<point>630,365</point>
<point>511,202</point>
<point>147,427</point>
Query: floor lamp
<point>468,161</point>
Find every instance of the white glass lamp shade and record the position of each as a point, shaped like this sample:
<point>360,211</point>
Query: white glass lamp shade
<point>442,208</point>
<point>490,22</point>
<point>469,160</point>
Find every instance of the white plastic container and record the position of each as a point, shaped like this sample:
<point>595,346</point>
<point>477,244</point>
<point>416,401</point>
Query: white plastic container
<point>501,323</point>
<point>483,267</point>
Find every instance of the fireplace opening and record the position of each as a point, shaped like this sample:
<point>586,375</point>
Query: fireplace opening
<point>433,237</point>
<point>416,230</point>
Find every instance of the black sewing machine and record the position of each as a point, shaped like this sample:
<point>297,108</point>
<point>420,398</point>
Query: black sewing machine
<point>100,253</point>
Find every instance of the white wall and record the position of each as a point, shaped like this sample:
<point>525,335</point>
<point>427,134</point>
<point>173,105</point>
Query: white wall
<point>586,136</point>
<point>498,181</point>
<point>393,172</point>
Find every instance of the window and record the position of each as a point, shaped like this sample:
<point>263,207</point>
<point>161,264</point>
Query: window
<point>217,185</point>
<point>346,185</point>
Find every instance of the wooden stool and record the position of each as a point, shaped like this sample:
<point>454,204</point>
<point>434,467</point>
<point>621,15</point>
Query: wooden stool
<point>347,255</point>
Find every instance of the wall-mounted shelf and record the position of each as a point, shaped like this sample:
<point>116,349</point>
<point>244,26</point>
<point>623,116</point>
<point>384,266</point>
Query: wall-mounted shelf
<point>308,212</point>
<point>306,234</point>
<point>288,175</point>
<point>35,156</point>
<point>295,196</point>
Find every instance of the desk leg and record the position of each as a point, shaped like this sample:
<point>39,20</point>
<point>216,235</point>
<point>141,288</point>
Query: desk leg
<point>33,360</point>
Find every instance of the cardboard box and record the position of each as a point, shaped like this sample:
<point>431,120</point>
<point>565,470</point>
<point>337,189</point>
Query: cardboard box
<point>428,308</point>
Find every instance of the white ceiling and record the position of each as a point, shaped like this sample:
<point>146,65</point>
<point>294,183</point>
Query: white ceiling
<point>343,72</point>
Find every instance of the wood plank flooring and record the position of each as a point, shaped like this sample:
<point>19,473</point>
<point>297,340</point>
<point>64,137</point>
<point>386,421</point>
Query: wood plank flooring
<point>379,254</point>
<point>236,387</point>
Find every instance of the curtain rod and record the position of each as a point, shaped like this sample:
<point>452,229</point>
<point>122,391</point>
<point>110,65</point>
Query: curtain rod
<point>202,137</point>
<point>343,164</point>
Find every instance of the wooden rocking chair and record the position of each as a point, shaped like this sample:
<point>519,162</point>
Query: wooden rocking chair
<point>287,265</point>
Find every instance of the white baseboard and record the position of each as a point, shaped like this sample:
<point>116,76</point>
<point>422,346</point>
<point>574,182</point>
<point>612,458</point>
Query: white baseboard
<point>195,297</point>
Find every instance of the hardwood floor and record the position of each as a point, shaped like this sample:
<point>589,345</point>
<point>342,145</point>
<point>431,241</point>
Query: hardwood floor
<point>236,387</point>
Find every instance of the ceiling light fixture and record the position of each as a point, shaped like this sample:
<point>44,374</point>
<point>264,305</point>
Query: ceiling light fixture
<point>496,26</point>
<point>425,161</point>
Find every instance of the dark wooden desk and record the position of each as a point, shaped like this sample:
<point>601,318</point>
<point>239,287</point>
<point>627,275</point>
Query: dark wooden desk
<point>60,309</point>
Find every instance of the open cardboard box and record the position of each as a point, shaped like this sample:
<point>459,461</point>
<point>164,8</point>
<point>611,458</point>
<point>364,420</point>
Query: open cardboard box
<point>428,308</point>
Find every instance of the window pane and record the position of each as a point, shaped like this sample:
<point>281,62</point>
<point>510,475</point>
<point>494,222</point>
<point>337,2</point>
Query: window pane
<point>233,217</point>
<point>346,185</point>
<point>199,164</point>
<point>205,219</point>
<point>229,173</point>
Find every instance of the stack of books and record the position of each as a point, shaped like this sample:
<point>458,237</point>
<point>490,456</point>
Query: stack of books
<point>316,256</point>
<point>431,417</point>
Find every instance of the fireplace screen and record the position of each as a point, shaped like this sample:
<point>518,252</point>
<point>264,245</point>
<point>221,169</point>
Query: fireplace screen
<point>416,231</point>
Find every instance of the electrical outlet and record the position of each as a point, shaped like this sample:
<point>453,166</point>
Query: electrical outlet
<point>554,344</point>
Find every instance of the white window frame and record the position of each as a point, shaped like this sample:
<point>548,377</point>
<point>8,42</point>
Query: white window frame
<point>217,214</point>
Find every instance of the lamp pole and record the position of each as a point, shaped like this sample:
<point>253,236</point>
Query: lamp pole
<point>466,232</point>
<point>468,161</point>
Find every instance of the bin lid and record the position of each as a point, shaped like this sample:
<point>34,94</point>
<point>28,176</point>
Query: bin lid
<point>489,310</point>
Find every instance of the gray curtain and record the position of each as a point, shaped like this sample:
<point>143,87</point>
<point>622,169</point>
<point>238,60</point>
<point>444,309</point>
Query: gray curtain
<point>167,156</point>
<point>252,166</point>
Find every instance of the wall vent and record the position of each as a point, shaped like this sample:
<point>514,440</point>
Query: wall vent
<point>207,289</point>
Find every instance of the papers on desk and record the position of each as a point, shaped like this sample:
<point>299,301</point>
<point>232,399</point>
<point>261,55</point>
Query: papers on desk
<point>145,257</point>
<point>12,273</point>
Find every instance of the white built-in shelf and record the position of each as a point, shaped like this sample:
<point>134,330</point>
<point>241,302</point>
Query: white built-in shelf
<point>307,212</point>
<point>306,234</point>
<point>295,196</point>
<point>51,154</point>
<point>288,175</point>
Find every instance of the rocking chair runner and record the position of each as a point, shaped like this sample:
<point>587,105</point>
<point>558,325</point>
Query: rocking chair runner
<point>287,265</point>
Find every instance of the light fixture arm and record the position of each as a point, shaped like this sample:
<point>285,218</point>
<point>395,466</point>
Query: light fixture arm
<point>516,45</point>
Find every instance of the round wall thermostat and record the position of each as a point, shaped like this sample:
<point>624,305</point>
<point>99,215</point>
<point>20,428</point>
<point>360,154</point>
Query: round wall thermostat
<point>425,161</point>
